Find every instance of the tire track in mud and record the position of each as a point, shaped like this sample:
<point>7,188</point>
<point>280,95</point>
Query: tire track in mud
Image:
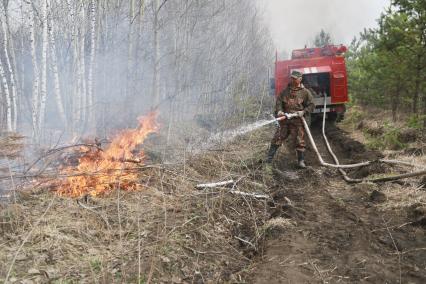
<point>338,233</point>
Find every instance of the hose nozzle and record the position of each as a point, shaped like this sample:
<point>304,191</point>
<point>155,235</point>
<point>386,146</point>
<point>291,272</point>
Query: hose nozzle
<point>287,116</point>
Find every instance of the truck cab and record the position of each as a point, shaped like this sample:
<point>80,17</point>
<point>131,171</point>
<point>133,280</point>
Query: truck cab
<point>324,74</point>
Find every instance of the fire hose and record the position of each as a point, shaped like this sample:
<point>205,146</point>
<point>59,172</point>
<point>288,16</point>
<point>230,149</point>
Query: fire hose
<point>340,167</point>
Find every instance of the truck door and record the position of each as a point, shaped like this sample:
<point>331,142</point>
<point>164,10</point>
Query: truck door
<point>339,83</point>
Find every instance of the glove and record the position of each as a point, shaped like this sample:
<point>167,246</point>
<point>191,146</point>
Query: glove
<point>280,113</point>
<point>300,113</point>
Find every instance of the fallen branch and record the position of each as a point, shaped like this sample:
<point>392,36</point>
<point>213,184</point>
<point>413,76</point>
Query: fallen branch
<point>255,195</point>
<point>223,184</point>
<point>216,184</point>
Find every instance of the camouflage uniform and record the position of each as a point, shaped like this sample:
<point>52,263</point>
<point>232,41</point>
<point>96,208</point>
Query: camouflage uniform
<point>292,100</point>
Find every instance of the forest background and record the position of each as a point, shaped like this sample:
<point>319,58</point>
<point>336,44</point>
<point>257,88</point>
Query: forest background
<point>69,68</point>
<point>76,67</point>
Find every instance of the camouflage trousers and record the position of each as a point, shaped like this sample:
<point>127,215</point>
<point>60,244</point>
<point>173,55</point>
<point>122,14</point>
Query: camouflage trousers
<point>295,130</point>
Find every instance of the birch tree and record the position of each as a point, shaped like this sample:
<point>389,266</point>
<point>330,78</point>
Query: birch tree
<point>55,71</point>
<point>44,51</point>
<point>6,90</point>
<point>92,61</point>
<point>36,73</point>
<point>82,66</point>
<point>156,61</point>
<point>130,52</point>
<point>10,69</point>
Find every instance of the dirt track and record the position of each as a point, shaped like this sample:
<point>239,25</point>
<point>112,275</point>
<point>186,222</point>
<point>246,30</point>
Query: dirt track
<point>339,233</point>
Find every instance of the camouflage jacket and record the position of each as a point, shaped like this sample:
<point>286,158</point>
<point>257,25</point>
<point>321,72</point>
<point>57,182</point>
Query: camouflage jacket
<point>295,99</point>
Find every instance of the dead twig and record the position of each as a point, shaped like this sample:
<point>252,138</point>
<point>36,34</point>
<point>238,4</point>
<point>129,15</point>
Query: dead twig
<point>246,242</point>
<point>56,150</point>
<point>312,263</point>
<point>55,175</point>
<point>393,227</point>
<point>412,250</point>
<point>195,252</point>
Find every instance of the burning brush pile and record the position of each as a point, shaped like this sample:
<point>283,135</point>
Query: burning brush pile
<point>99,171</point>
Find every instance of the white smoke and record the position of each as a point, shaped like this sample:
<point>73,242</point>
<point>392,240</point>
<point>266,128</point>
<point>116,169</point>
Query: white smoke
<point>295,23</point>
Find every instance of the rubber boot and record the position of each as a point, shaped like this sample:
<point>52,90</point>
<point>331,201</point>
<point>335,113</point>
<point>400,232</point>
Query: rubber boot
<point>271,153</point>
<point>301,159</point>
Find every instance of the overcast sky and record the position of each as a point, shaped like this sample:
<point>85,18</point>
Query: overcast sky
<point>294,23</point>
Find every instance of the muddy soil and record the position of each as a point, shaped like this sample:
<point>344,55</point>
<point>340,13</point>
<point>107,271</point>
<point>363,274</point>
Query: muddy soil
<point>339,233</point>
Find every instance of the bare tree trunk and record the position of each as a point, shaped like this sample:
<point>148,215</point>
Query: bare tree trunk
<point>130,48</point>
<point>10,69</point>
<point>138,64</point>
<point>16,74</point>
<point>90,86</point>
<point>141,16</point>
<point>156,75</point>
<point>75,71</point>
<point>36,73</point>
<point>43,93</point>
<point>54,64</point>
<point>8,98</point>
<point>395,102</point>
<point>23,68</point>
<point>416,94</point>
<point>82,67</point>
<point>424,110</point>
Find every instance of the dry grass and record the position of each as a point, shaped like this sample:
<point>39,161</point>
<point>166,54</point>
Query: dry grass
<point>409,192</point>
<point>400,198</point>
<point>167,232</point>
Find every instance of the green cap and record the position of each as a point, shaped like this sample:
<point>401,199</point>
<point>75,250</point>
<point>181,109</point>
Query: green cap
<point>296,74</point>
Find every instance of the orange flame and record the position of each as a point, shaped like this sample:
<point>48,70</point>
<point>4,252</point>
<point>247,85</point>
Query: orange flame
<point>100,171</point>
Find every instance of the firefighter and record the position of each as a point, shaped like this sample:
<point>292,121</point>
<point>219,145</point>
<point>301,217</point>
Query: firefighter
<point>294,99</point>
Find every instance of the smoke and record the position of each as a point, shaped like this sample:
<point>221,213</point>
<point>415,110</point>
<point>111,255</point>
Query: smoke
<point>295,23</point>
<point>197,58</point>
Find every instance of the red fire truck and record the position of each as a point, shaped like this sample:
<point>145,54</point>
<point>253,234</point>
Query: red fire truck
<point>324,74</point>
